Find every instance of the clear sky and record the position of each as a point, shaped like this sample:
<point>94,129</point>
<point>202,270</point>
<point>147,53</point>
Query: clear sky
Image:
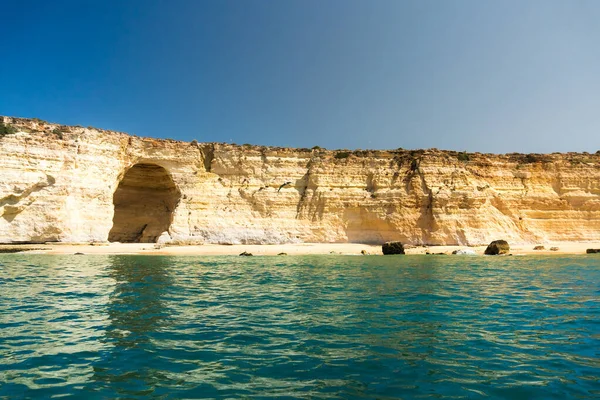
<point>492,76</point>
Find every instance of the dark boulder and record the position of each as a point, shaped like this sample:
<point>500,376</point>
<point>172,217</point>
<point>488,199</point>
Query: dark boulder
<point>392,248</point>
<point>539,248</point>
<point>282,254</point>
<point>245,254</point>
<point>592,251</point>
<point>497,247</point>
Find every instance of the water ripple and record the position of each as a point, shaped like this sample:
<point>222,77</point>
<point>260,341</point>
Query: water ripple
<point>307,327</point>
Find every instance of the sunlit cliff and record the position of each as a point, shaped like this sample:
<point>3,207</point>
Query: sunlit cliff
<point>76,184</point>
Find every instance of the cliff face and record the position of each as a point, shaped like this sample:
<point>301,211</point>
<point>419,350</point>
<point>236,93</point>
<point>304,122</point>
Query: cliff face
<point>67,184</point>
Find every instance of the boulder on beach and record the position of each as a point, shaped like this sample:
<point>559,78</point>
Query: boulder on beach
<point>554,248</point>
<point>464,252</point>
<point>245,254</point>
<point>497,247</point>
<point>592,251</point>
<point>539,248</point>
<point>389,248</point>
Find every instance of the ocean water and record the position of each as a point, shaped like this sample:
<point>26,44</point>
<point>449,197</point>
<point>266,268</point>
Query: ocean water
<point>339,327</point>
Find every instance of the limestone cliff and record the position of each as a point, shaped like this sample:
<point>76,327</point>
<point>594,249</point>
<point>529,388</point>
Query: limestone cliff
<point>75,184</point>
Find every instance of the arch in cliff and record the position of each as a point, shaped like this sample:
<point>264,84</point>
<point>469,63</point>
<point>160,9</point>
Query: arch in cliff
<point>144,202</point>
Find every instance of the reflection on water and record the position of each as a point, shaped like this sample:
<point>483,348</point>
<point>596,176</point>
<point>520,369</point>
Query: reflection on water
<point>311,327</point>
<point>136,312</point>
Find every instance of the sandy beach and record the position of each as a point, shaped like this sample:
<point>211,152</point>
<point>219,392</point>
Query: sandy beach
<point>272,250</point>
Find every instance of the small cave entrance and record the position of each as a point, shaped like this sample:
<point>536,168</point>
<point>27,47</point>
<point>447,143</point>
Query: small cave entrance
<point>144,203</point>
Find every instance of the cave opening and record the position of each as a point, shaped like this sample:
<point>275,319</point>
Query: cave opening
<point>144,203</point>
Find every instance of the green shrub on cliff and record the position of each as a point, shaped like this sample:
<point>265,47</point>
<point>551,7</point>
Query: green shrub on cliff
<point>342,154</point>
<point>59,131</point>
<point>6,129</point>
<point>463,156</point>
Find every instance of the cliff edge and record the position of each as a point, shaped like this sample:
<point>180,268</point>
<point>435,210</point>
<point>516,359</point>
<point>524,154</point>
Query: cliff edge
<point>76,184</point>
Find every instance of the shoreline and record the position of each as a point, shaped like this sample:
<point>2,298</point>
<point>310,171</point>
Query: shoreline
<point>564,248</point>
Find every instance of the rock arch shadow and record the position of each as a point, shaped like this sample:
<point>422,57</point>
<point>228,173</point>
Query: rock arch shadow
<point>144,203</point>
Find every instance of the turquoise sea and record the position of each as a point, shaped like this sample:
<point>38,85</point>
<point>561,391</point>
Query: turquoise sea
<point>339,327</point>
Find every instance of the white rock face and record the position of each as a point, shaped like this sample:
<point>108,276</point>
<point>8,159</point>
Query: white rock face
<point>59,183</point>
<point>164,238</point>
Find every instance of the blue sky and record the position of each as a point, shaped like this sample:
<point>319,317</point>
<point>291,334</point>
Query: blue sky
<point>491,76</point>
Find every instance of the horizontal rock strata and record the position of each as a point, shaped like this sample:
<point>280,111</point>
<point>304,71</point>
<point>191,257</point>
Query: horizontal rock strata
<point>59,183</point>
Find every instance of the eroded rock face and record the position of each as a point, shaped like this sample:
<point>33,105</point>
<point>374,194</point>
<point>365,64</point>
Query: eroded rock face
<point>60,183</point>
<point>144,203</point>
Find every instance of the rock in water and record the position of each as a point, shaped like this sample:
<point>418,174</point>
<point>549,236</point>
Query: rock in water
<point>392,248</point>
<point>497,247</point>
<point>464,252</point>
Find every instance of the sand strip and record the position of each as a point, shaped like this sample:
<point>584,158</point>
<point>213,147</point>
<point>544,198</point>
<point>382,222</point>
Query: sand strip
<point>290,249</point>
